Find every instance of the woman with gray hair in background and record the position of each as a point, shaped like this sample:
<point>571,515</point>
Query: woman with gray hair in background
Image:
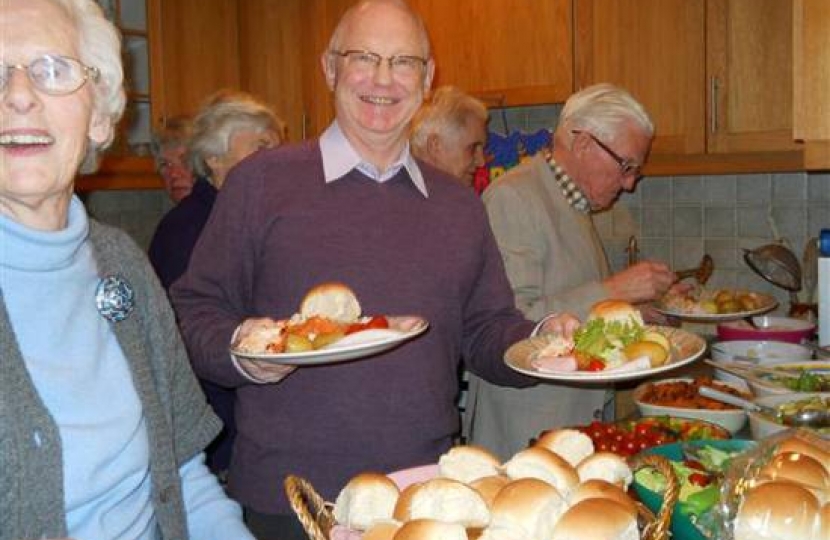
<point>449,132</point>
<point>229,127</point>
<point>169,148</point>
<point>102,424</point>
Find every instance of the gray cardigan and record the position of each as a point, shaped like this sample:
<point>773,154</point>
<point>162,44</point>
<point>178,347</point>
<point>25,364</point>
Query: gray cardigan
<point>179,421</point>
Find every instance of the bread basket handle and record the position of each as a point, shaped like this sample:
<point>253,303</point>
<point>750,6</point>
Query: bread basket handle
<point>310,508</point>
<point>659,529</point>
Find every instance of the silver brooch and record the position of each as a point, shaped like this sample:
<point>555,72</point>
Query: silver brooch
<point>114,298</point>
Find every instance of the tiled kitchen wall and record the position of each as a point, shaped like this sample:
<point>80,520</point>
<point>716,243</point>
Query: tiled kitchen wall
<point>675,219</point>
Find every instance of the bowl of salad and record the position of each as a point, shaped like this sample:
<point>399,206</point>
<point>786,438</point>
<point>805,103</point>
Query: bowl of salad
<point>699,466</point>
<point>794,377</point>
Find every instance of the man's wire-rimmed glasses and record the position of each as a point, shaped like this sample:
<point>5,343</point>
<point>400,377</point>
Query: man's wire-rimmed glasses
<point>404,65</point>
<point>628,167</point>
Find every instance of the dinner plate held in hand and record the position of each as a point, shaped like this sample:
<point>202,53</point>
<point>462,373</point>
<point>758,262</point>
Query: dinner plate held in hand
<point>768,303</point>
<point>686,347</point>
<point>358,345</point>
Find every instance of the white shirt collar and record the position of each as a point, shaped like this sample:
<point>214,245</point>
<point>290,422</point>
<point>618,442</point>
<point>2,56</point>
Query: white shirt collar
<point>340,157</point>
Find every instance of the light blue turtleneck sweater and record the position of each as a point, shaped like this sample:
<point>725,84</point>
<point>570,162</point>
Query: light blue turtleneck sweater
<point>49,281</point>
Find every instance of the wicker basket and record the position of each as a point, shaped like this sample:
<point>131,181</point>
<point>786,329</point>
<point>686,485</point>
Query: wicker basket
<point>316,516</point>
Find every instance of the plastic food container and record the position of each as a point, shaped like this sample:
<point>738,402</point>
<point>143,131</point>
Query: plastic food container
<point>770,328</point>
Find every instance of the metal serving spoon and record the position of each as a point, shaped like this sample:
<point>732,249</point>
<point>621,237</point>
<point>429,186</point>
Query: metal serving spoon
<point>808,418</point>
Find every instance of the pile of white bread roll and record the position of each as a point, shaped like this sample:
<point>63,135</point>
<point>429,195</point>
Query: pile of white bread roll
<point>788,498</point>
<point>558,489</point>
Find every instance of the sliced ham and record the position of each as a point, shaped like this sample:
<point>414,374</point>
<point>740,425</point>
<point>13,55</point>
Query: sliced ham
<point>555,363</point>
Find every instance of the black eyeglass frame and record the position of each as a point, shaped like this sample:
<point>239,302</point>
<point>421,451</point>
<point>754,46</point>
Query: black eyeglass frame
<point>628,167</point>
<point>376,58</point>
<point>87,73</point>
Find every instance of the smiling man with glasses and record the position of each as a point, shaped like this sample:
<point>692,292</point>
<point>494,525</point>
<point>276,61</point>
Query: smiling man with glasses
<point>540,213</point>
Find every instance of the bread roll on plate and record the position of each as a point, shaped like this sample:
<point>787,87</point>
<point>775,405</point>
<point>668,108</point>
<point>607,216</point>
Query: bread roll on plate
<point>430,529</point>
<point>468,463</point>
<point>332,300</point>
<point>541,463</point>
<point>367,498</point>
<point>596,488</point>
<point>571,444</point>
<point>616,311</point>
<point>529,506</point>
<point>444,499</point>
<point>778,510</point>
<point>606,466</point>
<point>596,519</point>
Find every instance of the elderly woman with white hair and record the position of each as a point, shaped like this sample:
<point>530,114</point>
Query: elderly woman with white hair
<point>449,132</point>
<point>102,424</point>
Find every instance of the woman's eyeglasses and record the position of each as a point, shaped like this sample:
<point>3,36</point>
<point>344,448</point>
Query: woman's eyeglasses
<point>52,74</point>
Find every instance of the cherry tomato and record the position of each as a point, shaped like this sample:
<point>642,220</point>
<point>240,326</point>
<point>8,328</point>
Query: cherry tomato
<point>643,429</point>
<point>378,321</point>
<point>595,365</point>
<point>630,446</point>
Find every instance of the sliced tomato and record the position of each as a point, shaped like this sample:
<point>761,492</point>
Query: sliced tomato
<point>378,321</point>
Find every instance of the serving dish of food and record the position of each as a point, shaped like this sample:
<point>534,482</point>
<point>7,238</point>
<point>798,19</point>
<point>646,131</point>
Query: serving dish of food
<point>613,344</point>
<point>713,305</point>
<point>328,328</point>
<point>699,467</point>
<point>680,397</point>
<point>763,425</point>
<point>789,377</point>
<point>628,437</point>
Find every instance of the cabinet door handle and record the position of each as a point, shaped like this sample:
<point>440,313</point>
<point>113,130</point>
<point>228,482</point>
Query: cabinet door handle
<point>714,85</point>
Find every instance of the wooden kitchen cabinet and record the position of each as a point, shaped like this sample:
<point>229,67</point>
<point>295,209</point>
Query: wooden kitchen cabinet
<point>716,76</point>
<point>496,49</point>
<point>654,49</point>
<point>811,70</point>
<point>193,51</point>
<point>507,52</point>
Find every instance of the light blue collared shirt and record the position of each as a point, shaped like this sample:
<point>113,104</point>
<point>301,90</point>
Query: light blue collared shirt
<point>340,157</point>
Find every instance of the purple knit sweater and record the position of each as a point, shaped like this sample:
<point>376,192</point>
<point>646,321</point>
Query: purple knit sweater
<point>278,229</point>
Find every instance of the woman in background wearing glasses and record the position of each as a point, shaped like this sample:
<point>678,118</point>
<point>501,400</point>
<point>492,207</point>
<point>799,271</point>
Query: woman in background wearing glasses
<point>102,424</point>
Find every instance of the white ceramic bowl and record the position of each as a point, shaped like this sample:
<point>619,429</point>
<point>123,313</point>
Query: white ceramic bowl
<point>764,352</point>
<point>765,387</point>
<point>761,427</point>
<point>732,419</point>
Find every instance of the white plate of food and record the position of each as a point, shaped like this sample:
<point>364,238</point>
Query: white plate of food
<point>613,344</point>
<point>686,347</point>
<point>350,347</point>
<point>715,305</point>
